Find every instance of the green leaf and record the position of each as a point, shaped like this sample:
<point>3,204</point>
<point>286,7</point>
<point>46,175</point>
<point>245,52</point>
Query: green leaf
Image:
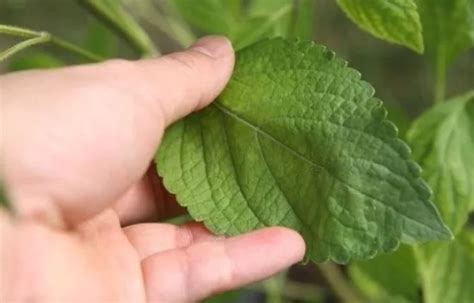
<point>34,60</point>
<point>298,20</point>
<point>227,297</point>
<point>395,21</point>
<point>443,143</point>
<point>388,277</point>
<point>114,14</point>
<point>257,28</point>
<point>448,27</point>
<point>100,40</point>
<point>448,275</point>
<point>297,139</point>
<point>210,16</point>
<point>264,9</point>
<point>303,24</point>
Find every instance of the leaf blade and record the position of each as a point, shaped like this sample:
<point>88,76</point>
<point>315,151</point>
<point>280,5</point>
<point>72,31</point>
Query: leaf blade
<point>443,143</point>
<point>234,164</point>
<point>395,21</point>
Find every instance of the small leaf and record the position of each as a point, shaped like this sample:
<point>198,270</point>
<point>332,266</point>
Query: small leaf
<point>303,20</point>
<point>297,139</point>
<point>388,277</point>
<point>448,275</point>
<point>298,22</point>
<point>209,16</point>
<point>443,143</point>
<point>100,41</point>
<point>396,21</point>
<point>448,28</point>
<point>264,8</point>
<point>257,28</point>
<point>34,60</point>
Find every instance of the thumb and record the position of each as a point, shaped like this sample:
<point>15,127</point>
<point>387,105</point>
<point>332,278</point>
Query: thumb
<point>186,81</point>
<point>99,122</point>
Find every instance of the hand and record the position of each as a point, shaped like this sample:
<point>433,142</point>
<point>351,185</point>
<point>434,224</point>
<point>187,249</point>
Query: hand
<point>77,145</point>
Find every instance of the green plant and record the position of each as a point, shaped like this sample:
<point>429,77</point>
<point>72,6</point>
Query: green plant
<point>297,139</point>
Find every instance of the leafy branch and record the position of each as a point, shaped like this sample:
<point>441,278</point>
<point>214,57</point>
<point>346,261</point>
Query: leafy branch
<point>40,37</point>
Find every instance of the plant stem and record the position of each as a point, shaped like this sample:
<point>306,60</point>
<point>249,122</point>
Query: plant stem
<point>273,286</point>
<point>440,81</point>
<point>293,290</point>
<point>36,37</point>
<point>23,45</point>
<point>125,25</point>
<point>339,283</point>
<point>75,49</point>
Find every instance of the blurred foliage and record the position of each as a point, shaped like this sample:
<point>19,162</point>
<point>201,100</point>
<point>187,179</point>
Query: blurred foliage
<point>388,277</point>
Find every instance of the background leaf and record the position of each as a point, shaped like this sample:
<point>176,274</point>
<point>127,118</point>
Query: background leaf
<point>448,275</point>
<point>448,27</point>
<point>211,16</point>
<point>296,139</point>
<point>442,140</point>
<point>100,41</point>
<point>395,21</point>
<point>34,60</point>
<point>388,277</point>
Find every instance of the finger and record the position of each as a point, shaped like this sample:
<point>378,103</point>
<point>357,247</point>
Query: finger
<point>205,268</point>
<point>147,201</point>
<point>77,138</point>
<point>151,238</point>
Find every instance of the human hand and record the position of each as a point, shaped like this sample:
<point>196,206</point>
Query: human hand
<point>77,145</point>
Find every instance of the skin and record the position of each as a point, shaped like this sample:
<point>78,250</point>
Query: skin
<point>77,144</point>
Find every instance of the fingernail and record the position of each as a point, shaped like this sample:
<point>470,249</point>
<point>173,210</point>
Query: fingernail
<point>213,46</point>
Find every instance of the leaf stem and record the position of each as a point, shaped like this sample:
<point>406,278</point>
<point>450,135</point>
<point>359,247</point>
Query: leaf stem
<point>37,37</point>
<point>272,288</point>
<point>339,283</point>
<point>124,24</point>
<point>43,38</point>
<point>293,290</point>
<point>440,80</point>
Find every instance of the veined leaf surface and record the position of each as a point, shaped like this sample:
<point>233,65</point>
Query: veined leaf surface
<point>297,139</point>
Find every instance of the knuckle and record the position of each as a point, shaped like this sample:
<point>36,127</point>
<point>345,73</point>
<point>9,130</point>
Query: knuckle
<point>189,62</point>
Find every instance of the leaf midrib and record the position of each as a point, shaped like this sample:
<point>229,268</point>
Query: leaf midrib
<point>228,112</point>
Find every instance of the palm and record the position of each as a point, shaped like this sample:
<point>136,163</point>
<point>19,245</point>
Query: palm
<point>78,143</point>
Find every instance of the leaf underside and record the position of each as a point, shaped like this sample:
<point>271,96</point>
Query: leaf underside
<point>296,139</point>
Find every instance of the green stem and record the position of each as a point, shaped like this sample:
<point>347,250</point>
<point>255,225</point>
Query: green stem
<point>440,81</point>
<point>293,290</point>
<point>75,49</point>
<point>119,20</point>
<point>36,37</point>
<point>273,286</point>
<point>23,45</point>
<point>339,283</point>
